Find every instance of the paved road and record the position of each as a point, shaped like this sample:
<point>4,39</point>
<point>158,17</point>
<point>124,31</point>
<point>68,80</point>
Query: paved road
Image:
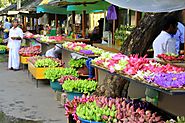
<point>20,98</point>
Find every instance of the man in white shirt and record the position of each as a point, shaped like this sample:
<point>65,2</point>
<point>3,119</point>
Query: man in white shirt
<point>14,44</point>
<point>165,43</point>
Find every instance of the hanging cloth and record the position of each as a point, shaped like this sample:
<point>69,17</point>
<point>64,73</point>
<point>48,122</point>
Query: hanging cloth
<point>111,13</point>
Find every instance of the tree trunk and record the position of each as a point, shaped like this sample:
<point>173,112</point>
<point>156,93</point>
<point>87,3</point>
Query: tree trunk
<point>138,42</point>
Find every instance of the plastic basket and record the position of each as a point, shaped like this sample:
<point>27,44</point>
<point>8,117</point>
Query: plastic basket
<point>71,95</point>
<point>87,121</point>
<point>56,86</point>
<point>2,51</point>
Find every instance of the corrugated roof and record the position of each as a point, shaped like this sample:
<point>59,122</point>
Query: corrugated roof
<point>30,5</point>
<point>11,7</point>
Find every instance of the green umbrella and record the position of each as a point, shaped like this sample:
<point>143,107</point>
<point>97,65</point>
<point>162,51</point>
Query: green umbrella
<point>45,8</point>
<point>89,8</point>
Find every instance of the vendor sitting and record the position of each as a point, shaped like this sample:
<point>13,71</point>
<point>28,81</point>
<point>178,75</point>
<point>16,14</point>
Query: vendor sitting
<point>56,50</point>
<point>96,37</point>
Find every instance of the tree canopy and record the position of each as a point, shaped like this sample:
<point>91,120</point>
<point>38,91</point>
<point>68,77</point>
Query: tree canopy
<point>4,3</point>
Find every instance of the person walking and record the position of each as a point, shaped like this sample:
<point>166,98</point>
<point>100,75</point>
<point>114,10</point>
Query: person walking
<point>14,44</point>
<point>1,29</point>
<point>7,26</point>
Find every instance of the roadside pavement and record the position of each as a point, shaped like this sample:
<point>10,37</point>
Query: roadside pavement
<point>20,98</point>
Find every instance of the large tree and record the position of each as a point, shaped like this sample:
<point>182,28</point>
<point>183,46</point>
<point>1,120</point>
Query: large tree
<point>138,42</point>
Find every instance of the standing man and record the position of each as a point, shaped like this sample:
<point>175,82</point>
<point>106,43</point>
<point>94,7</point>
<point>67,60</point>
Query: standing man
<point>14,44</point>
<point>7,26</point>
<point>179,36</point>
<point>165,43</point>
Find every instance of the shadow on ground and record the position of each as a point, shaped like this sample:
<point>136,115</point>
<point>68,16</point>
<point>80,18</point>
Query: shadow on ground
<point>8,119</point>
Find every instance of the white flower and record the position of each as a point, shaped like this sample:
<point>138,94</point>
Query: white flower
<point>117,67</point>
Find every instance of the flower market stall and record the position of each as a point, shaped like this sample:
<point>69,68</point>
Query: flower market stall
<point>82,70</point>
<point>141,69</point>
<point>38,65</point>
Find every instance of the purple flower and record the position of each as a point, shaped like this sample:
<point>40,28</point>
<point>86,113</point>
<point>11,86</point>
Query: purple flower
<point>168,80</point>
<point>87,52</point>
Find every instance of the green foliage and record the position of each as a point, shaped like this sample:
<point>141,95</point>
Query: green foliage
<point>54,74</point>
<point>91,111</point>
<point>47,62</point>
<point>4,3</point>
<point>84,86</point>
<point>1,40</point>
<point>77,63</point>
<point>122,33</point>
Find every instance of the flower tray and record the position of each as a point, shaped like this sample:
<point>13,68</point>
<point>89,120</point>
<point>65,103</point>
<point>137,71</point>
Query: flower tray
<point>173,61</point>
<point>71,95</point>
<point>38,73</point>
<point>24,59</point>
<point>89,56</point>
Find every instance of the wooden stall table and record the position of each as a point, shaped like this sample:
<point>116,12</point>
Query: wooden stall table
<point>87,41</point>
<point>108,47</point>
<point>66,55</point>
<point>38,73</point>
<point>44,46</point>
<point>177,64</point>
<point>24,61</point>
<point>170,100</point>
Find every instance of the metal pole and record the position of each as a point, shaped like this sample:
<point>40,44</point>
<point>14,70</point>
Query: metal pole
<point>104,21</point>
<point>67,25</point>
<point>18,7</point>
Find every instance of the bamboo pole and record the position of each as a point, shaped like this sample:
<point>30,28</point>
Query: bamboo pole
<point>56,20</point>
<point>137,17</point>
<point>73,17</point>
<point>113,32</point>
<point>84,24</point>
<point>24,25</point>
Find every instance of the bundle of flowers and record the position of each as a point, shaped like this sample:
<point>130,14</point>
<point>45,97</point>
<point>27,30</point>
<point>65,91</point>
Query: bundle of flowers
<point>83,86</point>
<point>136,63</point>
<point>30,51</point>
<point>168,80</point>
<point>28,35</point>
<point>83,48</point>
<point>60,73</point>
<point>171,57</point>
<point>39,61</point>
<point>112,61</point>
<point>67,77</point>
<point>132,64</point>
